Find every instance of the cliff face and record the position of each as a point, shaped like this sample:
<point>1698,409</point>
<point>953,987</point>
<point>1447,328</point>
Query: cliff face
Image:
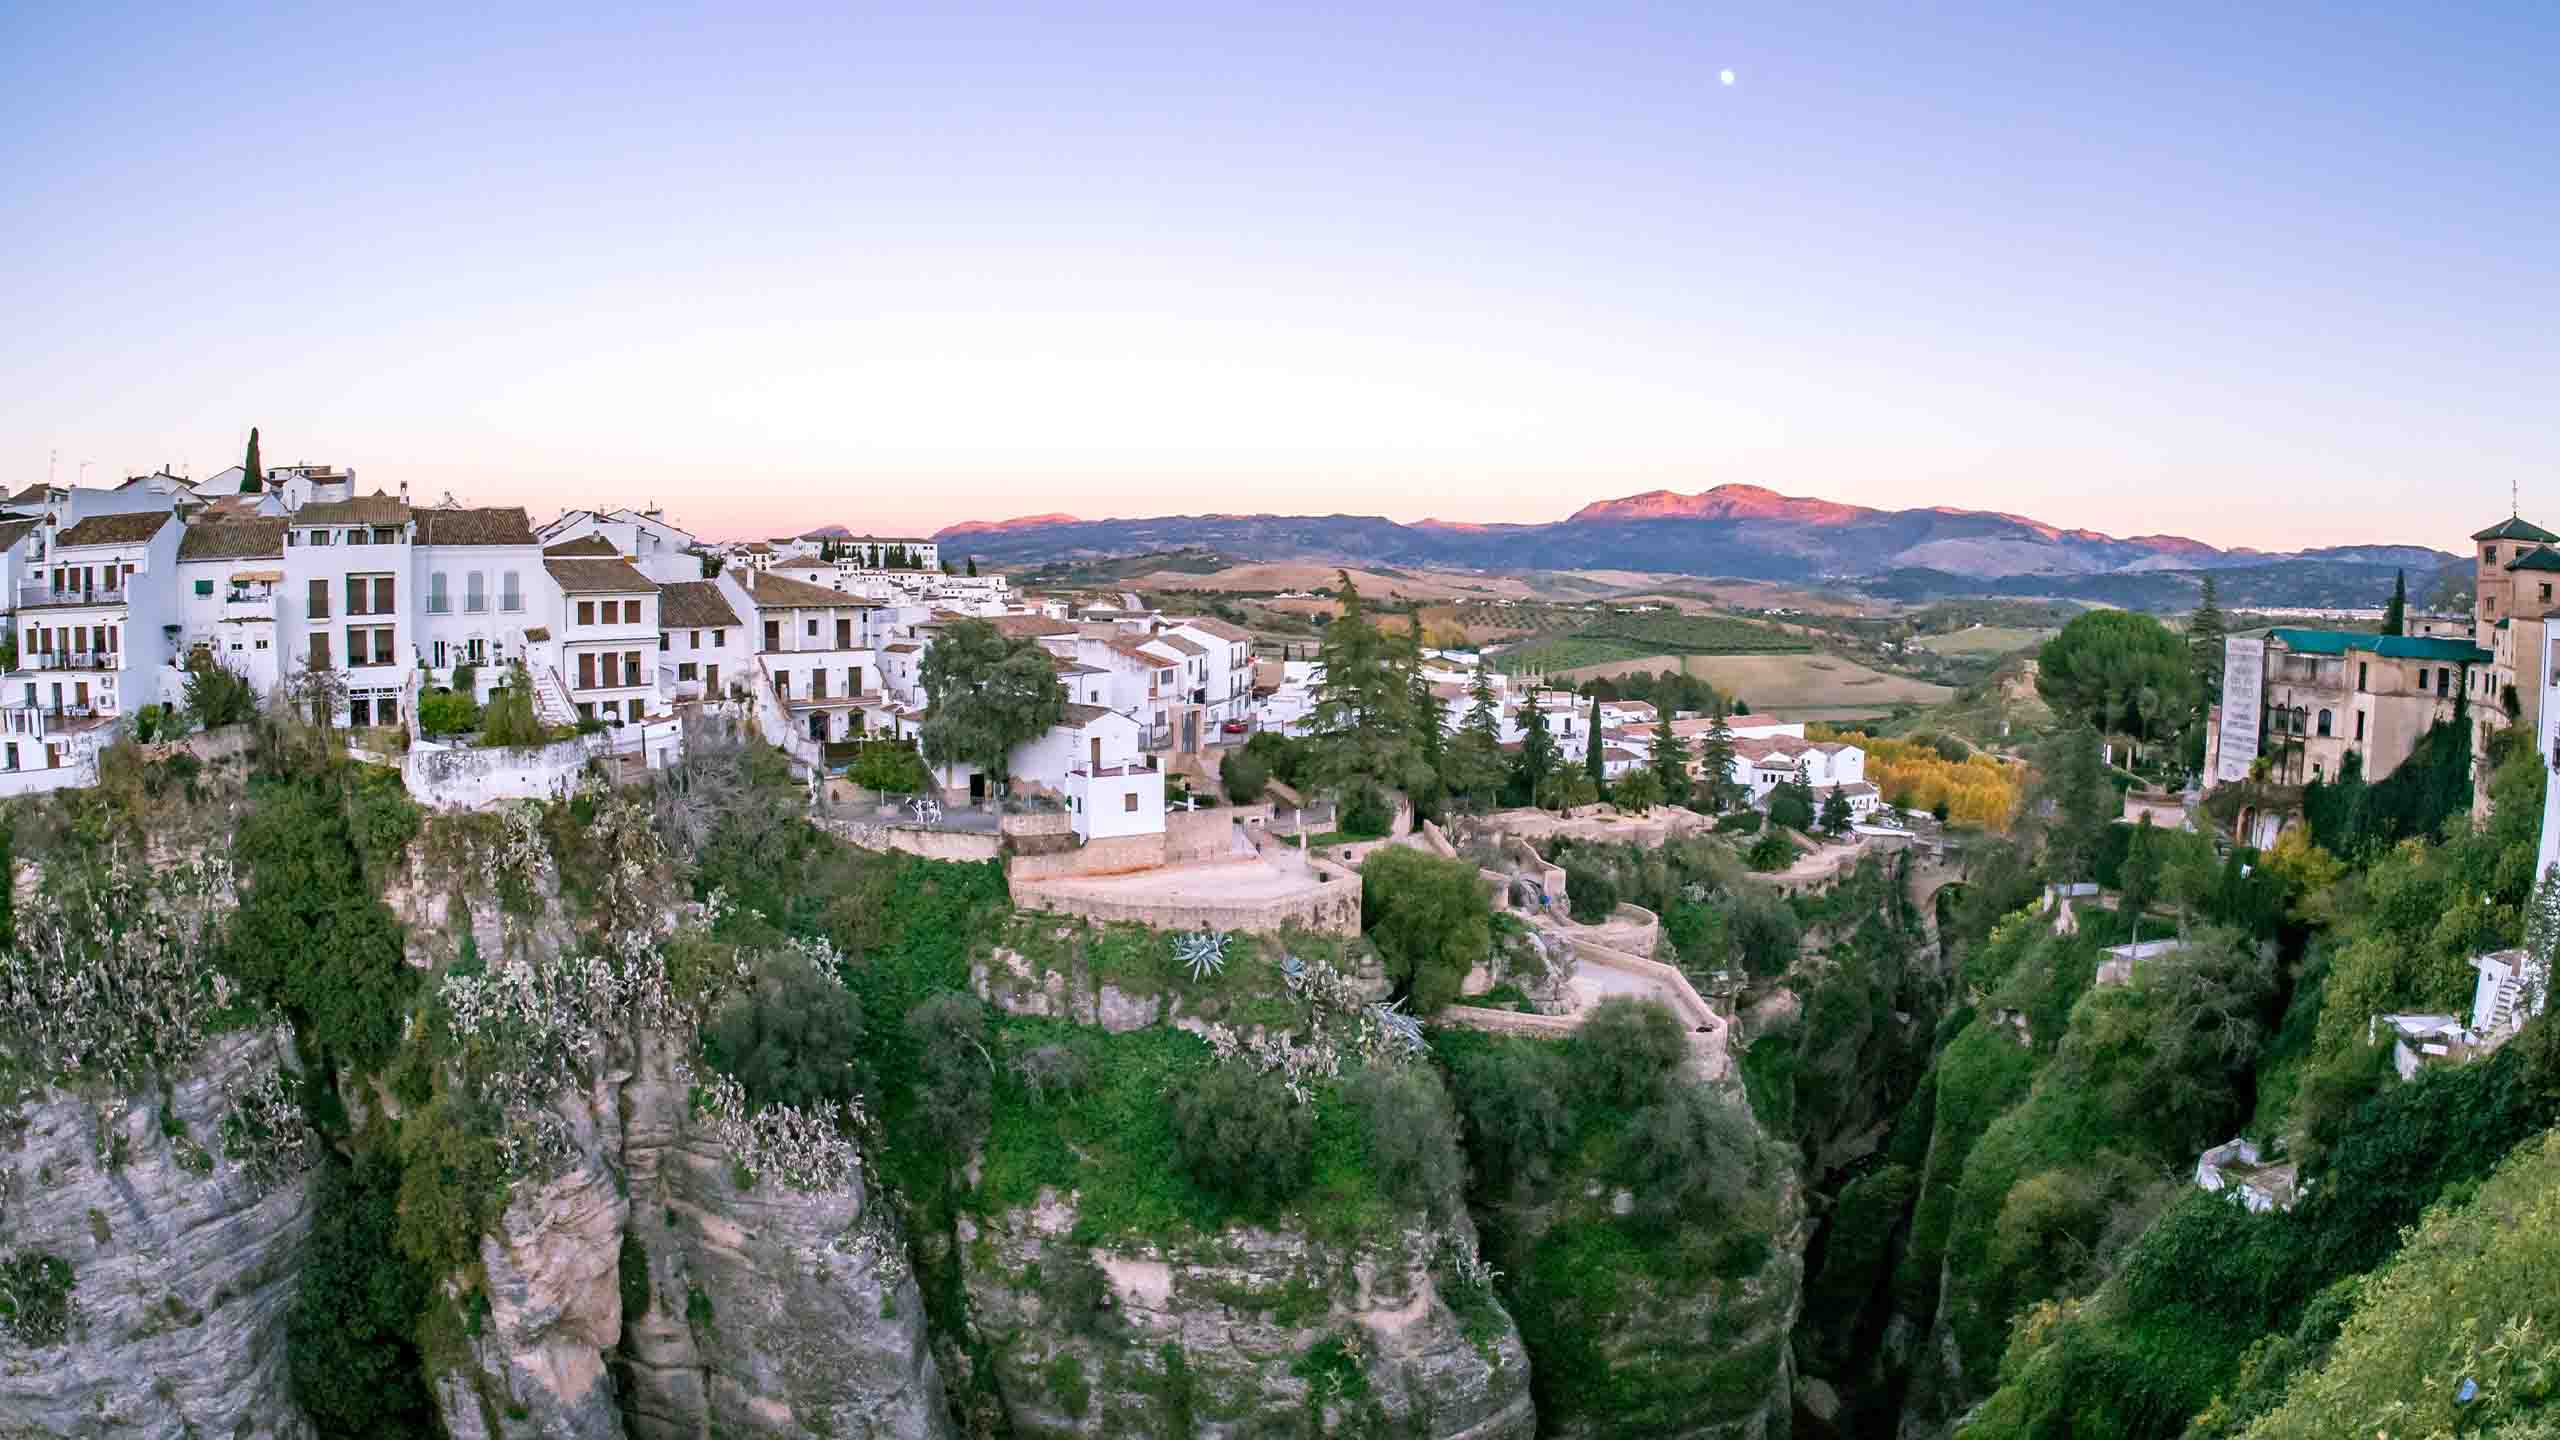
<point>1249,1332</point>
<point>182,1265</point>
<point>646,1293</point>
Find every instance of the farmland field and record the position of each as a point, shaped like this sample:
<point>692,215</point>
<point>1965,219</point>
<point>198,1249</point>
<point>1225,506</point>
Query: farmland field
<point>1986,640</point>
<point>1821,687</point>
<point>1611,639</point>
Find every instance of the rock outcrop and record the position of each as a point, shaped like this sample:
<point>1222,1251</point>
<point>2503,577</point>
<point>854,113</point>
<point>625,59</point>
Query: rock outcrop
<point>182,1265</point>
<point>1249,1332</point>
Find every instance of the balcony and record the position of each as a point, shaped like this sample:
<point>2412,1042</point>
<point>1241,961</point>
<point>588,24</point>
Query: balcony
<point>39,720</point>
<point>39,595</point>
<point>72,660</point>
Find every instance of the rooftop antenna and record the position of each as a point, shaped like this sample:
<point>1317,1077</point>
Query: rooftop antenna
<point>2515,494</point>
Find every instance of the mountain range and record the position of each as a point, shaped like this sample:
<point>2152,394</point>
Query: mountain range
<point>1741,531</point>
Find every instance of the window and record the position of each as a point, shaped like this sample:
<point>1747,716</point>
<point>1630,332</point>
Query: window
<point>2324,722</point>
<point>440,655</point>
<point>1129,803</point>
<point>631,671</point>
<point>369,645</point>
<point>357,590</point>
<point>385,535</point>
<point>612,671</point>
<point>319,643</point>
<point>2364,676</point>
<point>2546,594</point>
<point>685,671</point>
<point>694,641</point>
<point>356,537</point>
<point>2359,725</point>
<point>204,587</point>
<point>438,601</point>
<point>844,634</point>
<point>385,598</point>
<point>2489,553</point>
<point>586,672</point>
<point>511,592</point>
<point>719,638</point>
<point>475,593</point>
<point>813,629</point>
<point>318,607</point>
<point>666,642</point>
<point>773,634</point>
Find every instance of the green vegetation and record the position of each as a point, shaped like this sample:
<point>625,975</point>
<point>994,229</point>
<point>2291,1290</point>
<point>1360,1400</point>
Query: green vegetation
<point>311,936</point>
<point>987,693</point>
<point>1429,919</point>
<point>355,1368</point>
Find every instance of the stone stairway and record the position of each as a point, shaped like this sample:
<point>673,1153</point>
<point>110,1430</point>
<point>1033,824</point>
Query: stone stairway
<point>2502,1007</point>
<point>551,697</point>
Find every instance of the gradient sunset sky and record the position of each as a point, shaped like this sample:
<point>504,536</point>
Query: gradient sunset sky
<point>2257,274</point>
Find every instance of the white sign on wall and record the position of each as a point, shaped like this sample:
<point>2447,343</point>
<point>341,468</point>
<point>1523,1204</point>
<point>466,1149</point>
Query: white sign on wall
<point>2244,672</point>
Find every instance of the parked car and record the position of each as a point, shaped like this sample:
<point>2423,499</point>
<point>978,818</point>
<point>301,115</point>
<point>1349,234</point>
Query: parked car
<point>1233,727</point>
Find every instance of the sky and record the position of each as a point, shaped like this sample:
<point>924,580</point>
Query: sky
<point>2256,274</point>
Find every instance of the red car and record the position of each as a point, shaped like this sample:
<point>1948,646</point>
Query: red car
<point>1233,727</point>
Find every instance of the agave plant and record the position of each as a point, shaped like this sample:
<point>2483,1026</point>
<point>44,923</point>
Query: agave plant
<point>1203,953</point>
<point>1407,1028</point>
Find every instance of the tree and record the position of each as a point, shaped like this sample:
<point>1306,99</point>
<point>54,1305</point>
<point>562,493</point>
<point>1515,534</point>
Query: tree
<point>2072,801</point>
<point>2118,671</point>
<point>1484,714</point>
<point>2395,616</point>
<point>1836,816</point>
<point>1791,804</point>
<point>1593,764</point>
<point>1638,792</point>
<point>509,719</point>
<point>1537,758</point>
<point>253,475</point>
<point>1429,919</point>
<point>1715,760</point>
<point>1413,1135</point>
<point>1512,1094</point>
<point>1624,1052</point>
<point>2140,874</point>
<point>788,1036</point>
<point>955,1075</point>
<point>973,567</point>
<point>1242,777</point>
<point>986,692</point>
<point>1429,738</point>
<point>1363,709</point>
<point>1669,762</point>
<point>216,694</point>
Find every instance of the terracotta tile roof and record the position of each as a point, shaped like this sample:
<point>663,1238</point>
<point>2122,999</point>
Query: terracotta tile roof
<point>903,649</point>
<point>1032,625</point>
<point>32,495</point>
<point>13,531</point>
<point>780,592</point>
<point>694,605</point>
<point>232,539</point>
<point>1187,647</point>
<point>1612,752</point>
<point>1079,716</point>
<point>599,577</point>
<point>1756,750</point>
<point>586,546</point>
<point>1221,629</point>
<point>116,529</point>
<point>1133,647</point>
<point>478,525</point>
<point>374,509</point>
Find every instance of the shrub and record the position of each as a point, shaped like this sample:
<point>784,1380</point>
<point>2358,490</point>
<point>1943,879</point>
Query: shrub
<point>1740,822</point>
<point>509,719</point>
<point>1770,853</point>
<point>1512,1093</point>
<point>1413,1135</point>
<point>35,1297</point>
<point>1242,776</point>
<point>447,713</point>
<point>1051,1069</point>
<point>790,1037</point>
<point>1764,932</point>
<point>1592,892</point>
<point>1623,1052</point>
<point>218,695</point>
<point>453,1183</point>
<point>1429,919</point>
<point>310,935</point>
<point>1365,812</point>
<point>635,1278</point>
<point>466,680</point>
<point>1243,1138</point>
<point>889,766</point>
<point>954,1081</point>
<point>1691,1150</point>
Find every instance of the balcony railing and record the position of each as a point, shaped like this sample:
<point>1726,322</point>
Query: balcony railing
<point>72,660</point>
<point>42,719</point>
<point>39,593</point>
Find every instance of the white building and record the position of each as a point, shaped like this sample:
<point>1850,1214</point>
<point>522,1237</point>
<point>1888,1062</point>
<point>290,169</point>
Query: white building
<point>481,573</point>
<point>661,550</point>
<point>703,646</point>
<point>607,643</point>
<point>347,565</point>
<point>230,579</point>
<point>94,635</point>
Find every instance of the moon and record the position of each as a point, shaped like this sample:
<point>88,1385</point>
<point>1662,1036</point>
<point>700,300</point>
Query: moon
<point>1725,75</point>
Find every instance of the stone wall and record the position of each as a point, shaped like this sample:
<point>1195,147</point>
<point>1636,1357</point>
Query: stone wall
<point>1197,835</point>
<point>963,846</point>
<point>1041,822</point>
<point>463,778</point>
<point>1113,855</point>
<point>1332,908</point>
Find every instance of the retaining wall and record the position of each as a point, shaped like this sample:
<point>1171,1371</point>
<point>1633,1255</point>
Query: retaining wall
<point>461,778</point>
<point>1330,909</point>
<point>964,846</point>
<point>1112,855</point>
<point>1197,835</point>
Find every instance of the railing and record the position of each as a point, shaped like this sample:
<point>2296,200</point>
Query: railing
<point>36,593</point>
<point>68,660</point>
<point>41,719</point>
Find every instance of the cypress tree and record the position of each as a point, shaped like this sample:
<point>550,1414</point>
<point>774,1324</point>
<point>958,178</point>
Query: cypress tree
<point>1670,762</point>
<point>1592,765</point>
<point>1484,717</point>
<point>1427,722</point>
<point>253,475</point>
<point>1715,760</point>
<point>2395,616</point>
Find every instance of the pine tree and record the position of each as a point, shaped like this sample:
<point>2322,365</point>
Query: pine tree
<point>1484,715</point>
<point>1537,754</point>
<point>2395,616</point>
<point>2204,643</point>
<point>1592,763</point>
<point>1791,805</point>
<point>973,567</point>
<point>1363,706</point>
<point>1428,731</point>
<point>1836,815</point>
<point>1715,760</point>
<point>1670,763</point>
<point>253,475</point>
